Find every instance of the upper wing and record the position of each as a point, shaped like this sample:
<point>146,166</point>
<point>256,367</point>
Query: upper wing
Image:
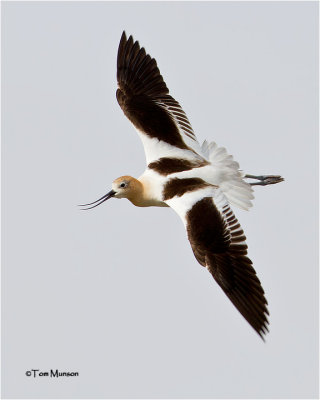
<point>218,243</point>
<point>144,98</point>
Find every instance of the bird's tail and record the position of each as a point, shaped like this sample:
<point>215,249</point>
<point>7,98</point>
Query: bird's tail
<point>237,191</point>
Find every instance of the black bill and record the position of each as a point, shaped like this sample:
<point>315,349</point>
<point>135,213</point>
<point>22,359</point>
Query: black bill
<point>99,201</point>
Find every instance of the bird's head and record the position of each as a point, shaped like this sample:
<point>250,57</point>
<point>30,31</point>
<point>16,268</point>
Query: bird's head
<point>123,187</point>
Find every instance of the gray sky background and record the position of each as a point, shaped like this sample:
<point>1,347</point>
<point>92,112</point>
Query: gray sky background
<point>115,293</point>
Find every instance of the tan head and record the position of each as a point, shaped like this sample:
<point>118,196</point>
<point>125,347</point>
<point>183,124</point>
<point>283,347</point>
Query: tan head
<point>127,187</point>
<point>123,187</point>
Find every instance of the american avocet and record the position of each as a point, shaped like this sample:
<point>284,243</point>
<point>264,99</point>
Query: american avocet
<point>198,182</point>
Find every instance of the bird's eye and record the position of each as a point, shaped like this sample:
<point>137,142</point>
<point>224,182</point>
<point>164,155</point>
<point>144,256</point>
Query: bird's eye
<point>122,185</point>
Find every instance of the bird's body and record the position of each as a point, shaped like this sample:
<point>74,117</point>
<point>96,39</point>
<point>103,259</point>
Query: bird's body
<point>198,182</point>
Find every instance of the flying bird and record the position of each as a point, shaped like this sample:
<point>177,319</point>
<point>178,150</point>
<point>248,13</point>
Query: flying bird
<point>200,183</point>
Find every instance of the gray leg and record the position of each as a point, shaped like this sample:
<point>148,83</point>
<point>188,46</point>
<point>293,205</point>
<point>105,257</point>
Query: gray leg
<point>265,179</point>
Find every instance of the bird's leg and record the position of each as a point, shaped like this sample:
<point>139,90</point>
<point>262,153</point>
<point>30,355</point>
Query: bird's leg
<point>265,179</point>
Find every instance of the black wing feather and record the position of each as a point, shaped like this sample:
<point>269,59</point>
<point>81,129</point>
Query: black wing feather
<point>144,97</point>
<point>136,70</point>
<point>218,243</point>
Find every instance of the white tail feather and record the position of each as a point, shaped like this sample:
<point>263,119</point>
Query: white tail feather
<point>237,191</point>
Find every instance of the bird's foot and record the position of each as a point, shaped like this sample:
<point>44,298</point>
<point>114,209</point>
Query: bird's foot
<point>265,179</point>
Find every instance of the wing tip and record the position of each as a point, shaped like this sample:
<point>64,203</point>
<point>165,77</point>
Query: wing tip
<point>137,71</point>
<point>123,41</point>
<point>264,330</point>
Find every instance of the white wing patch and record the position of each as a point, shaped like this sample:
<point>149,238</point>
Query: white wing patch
<point>181,205</point>
<point>155,149</point>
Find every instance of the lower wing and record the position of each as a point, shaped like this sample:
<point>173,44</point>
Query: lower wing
<point>218,243</point>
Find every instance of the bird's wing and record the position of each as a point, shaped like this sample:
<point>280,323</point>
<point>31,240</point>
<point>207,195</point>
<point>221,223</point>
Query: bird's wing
<point>219,244</point>
<point>144,98</point>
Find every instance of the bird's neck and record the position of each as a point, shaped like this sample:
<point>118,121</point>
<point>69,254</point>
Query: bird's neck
<point>141,196</point>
